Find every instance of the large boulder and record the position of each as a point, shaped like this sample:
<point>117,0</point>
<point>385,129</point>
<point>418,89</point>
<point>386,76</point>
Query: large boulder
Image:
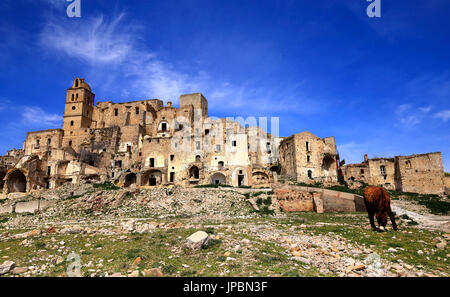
<point>6,267</point>
<point>197,240</point>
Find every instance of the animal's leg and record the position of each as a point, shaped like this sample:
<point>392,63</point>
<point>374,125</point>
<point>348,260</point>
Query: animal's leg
<point>382,220</point>
<point>372,221</point>
<point>392,217</point>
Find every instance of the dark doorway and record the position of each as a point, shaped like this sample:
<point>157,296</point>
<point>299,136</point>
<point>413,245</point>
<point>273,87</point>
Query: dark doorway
<point>152,181</point>
<point>17,182</point>
<point>194,172</point>
<point>240,180</point>
<point>152,162</point>
<point>130,179</point>
<point>172,177</point>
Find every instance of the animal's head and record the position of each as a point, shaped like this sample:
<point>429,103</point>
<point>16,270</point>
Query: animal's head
<point>382,219</point>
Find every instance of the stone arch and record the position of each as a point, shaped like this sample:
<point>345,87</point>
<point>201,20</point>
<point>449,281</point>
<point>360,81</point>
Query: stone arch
<point>152,178</point>
<point>130,179</point>
<point>194,172</point>
<point>16,181</point>
<point>218,179</point>
<point>239,177</point>
<point>260,178</point>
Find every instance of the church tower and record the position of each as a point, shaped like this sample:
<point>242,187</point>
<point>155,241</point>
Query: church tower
<point>78,112</point>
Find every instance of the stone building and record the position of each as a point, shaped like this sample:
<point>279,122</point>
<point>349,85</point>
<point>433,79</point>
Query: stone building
<point>142,143</point>
<point>447,183</point>
<point>417,173</point>
<point>307,158</point>
<point>148,144</point>
<point>420,173</point>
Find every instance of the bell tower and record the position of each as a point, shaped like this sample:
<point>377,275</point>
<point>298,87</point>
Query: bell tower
<point>78,110</point>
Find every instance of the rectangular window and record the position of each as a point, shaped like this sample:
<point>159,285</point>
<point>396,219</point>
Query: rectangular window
<point>218,148</point>
<point>308,159</point>
<point>37,142</point>
<point>172,157</point>
<point>234,143</point>
<point>172,177</point>
<point>137,110</point>
<point>49,170</point>
<point>116,112</point>
<point>383,170</point>
<point>152,162</point>
<point>307,146</point>
<point>49,141</point>
<point>197,145</point>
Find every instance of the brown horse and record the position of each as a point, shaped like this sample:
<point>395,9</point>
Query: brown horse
<point>378,203</point>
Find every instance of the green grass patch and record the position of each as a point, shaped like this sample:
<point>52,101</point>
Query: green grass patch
<point>106,186</point>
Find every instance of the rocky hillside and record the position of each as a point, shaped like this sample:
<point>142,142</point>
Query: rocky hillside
<point>101,230</point>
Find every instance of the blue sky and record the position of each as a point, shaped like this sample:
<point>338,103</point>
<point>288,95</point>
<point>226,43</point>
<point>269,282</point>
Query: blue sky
<point>380,86</point>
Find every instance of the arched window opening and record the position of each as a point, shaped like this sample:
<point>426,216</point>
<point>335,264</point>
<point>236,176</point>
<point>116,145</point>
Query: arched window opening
<point>194,172</point>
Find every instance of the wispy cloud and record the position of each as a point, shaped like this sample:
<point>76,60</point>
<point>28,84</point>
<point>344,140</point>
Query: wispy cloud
<point>104,43</point>
<point>96,42</point>
<point>37,116</point>
<point>410,116</point>
<point>443,115</point>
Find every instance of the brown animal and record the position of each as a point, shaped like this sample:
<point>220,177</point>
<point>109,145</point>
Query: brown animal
<point>378,203</point>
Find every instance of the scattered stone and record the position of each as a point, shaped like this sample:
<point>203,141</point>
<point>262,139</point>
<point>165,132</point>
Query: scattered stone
<point>51,230</point>
<point>296,252</point>
<point>154,272</point>
<point>137,261</point>
<point>359,267</point>
<point>441,245</point>
<point>392,250</point>
<point>6,267</point>
<point>197,240</point>
<point>245,241</point>
<point>19,270</point>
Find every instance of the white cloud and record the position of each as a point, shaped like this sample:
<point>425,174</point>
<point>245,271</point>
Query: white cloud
<point>37,116</point>
<point>112,49</point>
<point>443,115</point>
<point>96,41</point>
<point>410,116</point>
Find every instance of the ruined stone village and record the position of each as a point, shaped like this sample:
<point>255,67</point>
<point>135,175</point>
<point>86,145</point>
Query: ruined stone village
<point>135,144</point>
<point>118,173</point>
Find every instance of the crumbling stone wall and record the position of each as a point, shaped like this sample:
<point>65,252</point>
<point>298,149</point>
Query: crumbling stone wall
<point>382,172</point>
<point>309,158</point>
<point>420,173</point>
<point>417,173</point>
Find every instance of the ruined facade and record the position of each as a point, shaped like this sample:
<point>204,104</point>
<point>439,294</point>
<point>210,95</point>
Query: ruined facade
<point>142,143</point>
<point>417,173</point>
<point>148,144</point>
<point>307,158</point>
